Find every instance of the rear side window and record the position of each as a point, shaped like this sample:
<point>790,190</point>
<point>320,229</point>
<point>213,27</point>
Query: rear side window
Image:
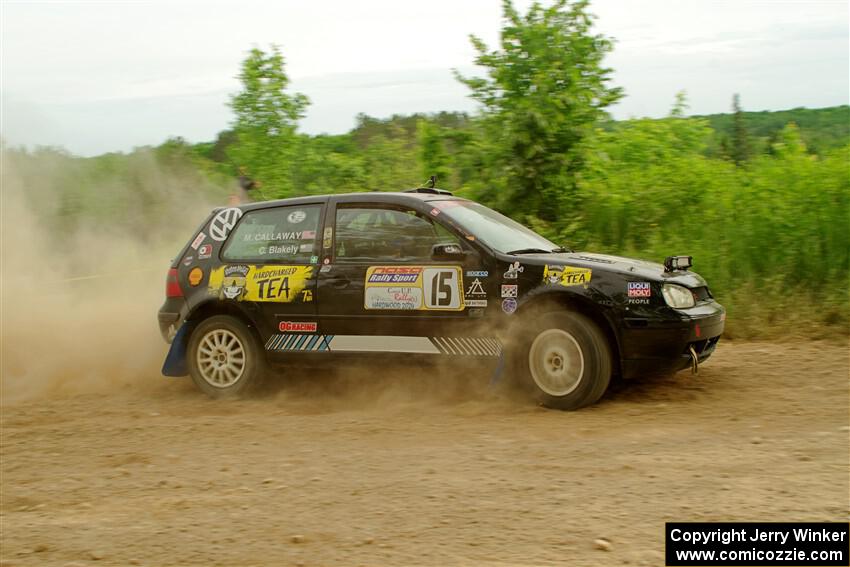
<point>282,234</point>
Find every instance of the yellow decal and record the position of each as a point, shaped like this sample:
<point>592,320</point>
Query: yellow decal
<point>283,284</point>
<point>195,276</point>
<point>414,288</point>
<point>566,275</point>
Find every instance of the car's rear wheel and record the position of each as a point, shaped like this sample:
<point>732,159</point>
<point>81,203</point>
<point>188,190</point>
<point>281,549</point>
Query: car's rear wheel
<point>565,360</point>
<point>225,359</point>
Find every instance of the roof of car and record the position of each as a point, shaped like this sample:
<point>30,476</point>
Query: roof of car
<point>371,196</point>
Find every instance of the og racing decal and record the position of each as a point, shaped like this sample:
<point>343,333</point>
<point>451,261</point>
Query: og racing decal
<point>412,288</point>
<point>282,284</point>
<point>566,275</point>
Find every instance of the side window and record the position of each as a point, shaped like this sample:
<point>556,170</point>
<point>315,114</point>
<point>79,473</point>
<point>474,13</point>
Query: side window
<point>373,234</point>
<point>281,235</point>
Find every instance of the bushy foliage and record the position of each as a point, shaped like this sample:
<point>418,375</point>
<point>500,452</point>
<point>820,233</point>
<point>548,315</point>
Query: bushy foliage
<point>771,234</point>
<point>266,118</point>
<point>545,90</point>
<point>772,238</point>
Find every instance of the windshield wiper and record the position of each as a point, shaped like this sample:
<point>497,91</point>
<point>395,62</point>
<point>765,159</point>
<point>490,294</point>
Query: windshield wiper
<point>562,249</point>
<point>529,251</point>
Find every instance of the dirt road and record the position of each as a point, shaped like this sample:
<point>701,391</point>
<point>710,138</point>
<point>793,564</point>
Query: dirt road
<point>406,468</point>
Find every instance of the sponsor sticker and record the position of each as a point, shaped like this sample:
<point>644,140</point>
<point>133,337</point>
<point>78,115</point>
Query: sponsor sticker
<point>509,305</point>
<point>509,290</point>
<point>298,326</point>
<point>639,289</point>
<point>308,234</point>
<point>314,259</point>
<point>435,211</point>
<point>195,276</point>
<point>394,275</point>
<point>204,251</point>
<point>296,217</point>
<point>198,239</point>
<point>513,270</point>
<point>328,237</point>
<point>281,284</point>
<point>475,302</point>
<point>306,247</point>
<point>187,261</point>
<point>408,288</point>
<point>395,297</point>
<point>475,288</point>
<point>237,270</point>
<point>223,222</point>
<point>566,275</point>
<point>477,273</point>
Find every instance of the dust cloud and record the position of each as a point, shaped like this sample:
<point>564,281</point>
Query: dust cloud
<point>84,258</point>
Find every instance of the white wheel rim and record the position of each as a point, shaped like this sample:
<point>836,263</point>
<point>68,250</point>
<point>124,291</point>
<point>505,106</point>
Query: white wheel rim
<point>556,362</point>
<point>221,358</point>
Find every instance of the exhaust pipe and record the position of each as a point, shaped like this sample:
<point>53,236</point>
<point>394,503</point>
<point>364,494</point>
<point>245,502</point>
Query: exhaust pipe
<point>694,361</point>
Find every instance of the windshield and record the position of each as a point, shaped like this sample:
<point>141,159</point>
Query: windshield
<point>494,229</point>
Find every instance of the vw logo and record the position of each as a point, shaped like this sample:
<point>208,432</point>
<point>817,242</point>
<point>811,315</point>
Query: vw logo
<point>223,223</point>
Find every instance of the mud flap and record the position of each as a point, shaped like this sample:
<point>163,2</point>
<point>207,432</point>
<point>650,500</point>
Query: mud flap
<point>175,360</point>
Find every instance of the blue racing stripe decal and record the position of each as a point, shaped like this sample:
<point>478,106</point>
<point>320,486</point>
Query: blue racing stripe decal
<point>289,340</point>
<point>463,346</point>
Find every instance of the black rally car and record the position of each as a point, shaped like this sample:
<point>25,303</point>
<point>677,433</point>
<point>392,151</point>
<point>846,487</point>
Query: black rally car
<point>421,272</point>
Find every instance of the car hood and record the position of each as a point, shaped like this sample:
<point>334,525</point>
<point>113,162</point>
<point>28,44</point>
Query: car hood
<point>629,267</point>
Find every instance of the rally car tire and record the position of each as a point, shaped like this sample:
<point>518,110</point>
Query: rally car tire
<point>565,361</point>
<point>225,359</point>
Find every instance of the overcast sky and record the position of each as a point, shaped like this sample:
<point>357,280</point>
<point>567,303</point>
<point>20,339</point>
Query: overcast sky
<point>100,76</point>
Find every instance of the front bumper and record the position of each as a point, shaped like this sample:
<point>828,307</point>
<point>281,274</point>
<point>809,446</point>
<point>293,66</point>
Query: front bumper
<point>658,346</point>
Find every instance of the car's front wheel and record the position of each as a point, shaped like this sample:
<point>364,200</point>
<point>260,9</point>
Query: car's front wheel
<point>225,359</point>
<point>564,360</point>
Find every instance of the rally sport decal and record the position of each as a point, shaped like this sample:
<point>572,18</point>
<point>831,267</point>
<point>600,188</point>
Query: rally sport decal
<point>282,284</point>
<point>412,288</point>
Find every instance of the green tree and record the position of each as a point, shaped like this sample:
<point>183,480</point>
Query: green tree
<point>432,152</point>
<point>740,137</point>
<point>266,121</point>
<point>545,90</point>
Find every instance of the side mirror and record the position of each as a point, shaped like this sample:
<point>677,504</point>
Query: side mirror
<point>449,251</point>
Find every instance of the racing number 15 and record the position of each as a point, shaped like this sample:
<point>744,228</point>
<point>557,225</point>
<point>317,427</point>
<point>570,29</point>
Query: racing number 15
<point>442,289</point>
<point>441,292</point>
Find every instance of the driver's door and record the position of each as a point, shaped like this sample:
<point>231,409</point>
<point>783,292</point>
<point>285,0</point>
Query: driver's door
<point>380,278</point>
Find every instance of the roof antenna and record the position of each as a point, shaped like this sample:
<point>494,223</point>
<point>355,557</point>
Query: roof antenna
<point>432,182</point>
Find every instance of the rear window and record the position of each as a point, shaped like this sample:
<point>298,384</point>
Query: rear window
<point>282,234</point>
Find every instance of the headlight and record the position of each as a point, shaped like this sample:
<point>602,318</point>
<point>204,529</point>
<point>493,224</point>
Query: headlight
<point>678,297</point>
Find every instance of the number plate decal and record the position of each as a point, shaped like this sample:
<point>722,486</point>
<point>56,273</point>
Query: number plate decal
<point>414,288</point>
